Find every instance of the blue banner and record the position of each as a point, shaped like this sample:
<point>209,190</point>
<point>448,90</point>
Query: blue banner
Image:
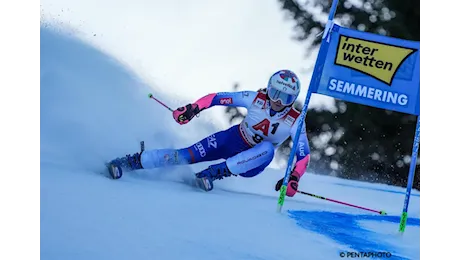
<point>372,70</point>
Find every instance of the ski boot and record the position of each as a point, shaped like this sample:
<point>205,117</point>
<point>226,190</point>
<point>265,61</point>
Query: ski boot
<point>128,163</point>
<point>205,178</point>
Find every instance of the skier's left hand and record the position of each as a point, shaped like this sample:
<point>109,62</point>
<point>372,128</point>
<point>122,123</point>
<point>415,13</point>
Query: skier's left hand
<point>292,186</point>
<point>184,114</point>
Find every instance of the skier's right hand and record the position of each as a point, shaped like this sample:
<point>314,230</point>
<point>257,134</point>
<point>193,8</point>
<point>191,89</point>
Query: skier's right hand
<point>183,115</point>
<point>292,186</point>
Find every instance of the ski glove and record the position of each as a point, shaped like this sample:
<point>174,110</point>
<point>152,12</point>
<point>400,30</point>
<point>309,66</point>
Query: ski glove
<point>292,184</point>
<point>183,115</point>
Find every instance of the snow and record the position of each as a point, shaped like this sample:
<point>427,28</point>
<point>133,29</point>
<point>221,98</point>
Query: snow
<point>94,108</point>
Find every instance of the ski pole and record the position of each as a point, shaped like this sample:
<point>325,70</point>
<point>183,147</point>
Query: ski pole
<point>381,212</point>
<point>152,97</point>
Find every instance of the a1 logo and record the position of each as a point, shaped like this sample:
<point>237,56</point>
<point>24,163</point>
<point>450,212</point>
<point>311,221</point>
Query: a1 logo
<point>264,127</point>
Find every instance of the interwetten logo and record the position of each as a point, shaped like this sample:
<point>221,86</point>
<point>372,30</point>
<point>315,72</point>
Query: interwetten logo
<point>378,60</point>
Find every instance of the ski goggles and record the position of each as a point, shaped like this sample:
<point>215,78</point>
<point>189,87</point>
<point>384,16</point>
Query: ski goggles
<point>286,99</point>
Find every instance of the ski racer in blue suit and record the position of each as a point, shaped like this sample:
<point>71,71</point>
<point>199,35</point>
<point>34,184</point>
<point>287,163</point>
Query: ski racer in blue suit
<point>248,147</point>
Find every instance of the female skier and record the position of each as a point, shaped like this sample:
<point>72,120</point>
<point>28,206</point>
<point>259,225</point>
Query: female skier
<point>247,147</point>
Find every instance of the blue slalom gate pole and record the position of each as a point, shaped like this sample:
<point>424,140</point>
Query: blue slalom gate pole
<point>410,178</point>
<point>315,77</point>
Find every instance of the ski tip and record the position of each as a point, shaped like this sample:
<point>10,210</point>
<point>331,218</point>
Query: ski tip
<point>204,184</point>
<point>115,171</point>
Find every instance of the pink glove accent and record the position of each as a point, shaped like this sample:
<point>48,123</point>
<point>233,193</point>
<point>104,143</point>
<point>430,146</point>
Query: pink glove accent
<point>293,185</point>
<point>176,115</point>
<point>183,115</point>
<point>205,102</point>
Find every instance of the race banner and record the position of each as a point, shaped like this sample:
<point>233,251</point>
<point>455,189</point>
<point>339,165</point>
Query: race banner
<point>371,69</point>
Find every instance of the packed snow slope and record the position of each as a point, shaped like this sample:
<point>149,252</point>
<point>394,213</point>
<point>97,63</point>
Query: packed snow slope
<point>93,109</point>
